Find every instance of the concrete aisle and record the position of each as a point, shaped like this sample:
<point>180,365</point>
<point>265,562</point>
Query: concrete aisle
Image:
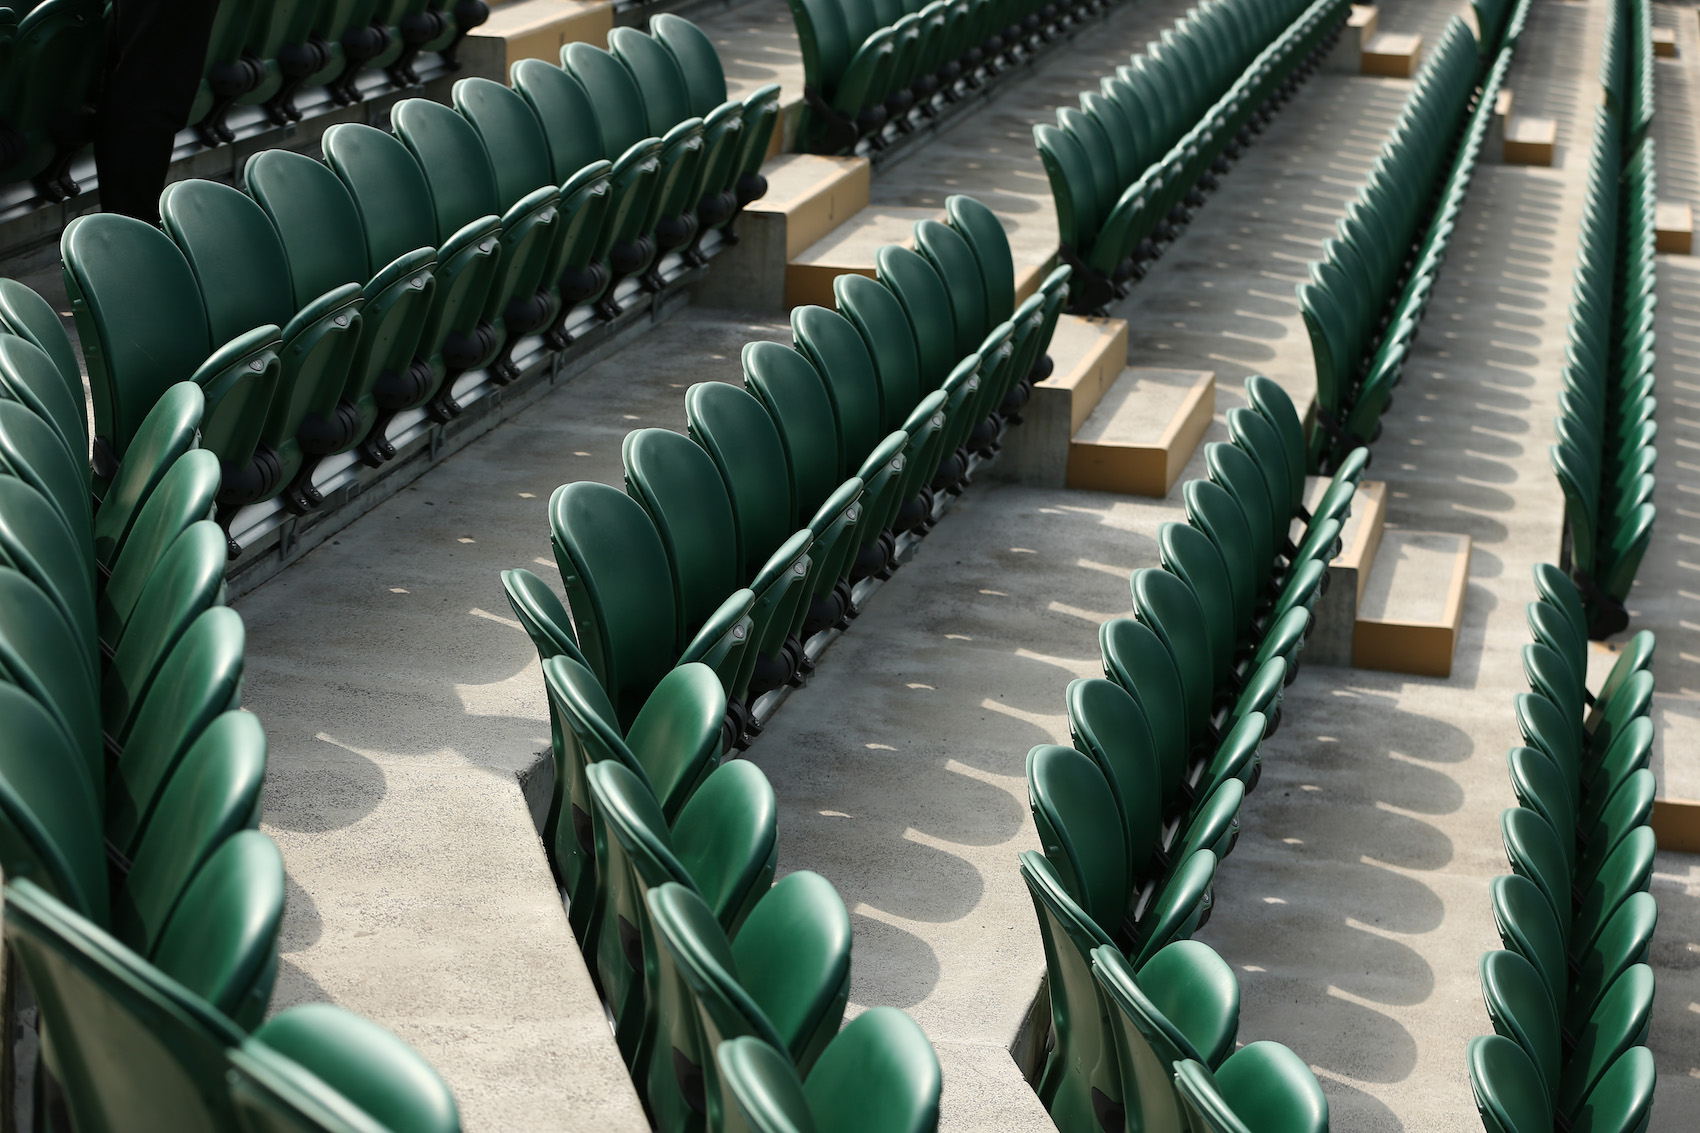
<point>401,700</point>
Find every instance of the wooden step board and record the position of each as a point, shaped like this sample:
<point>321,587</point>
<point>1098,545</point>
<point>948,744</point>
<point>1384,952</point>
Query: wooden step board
<point>1102,425</point>
<point>1676,823</point>
<point>534,29</point>
<point>807,197</point>
<point>1413,603</point>
<point>1143,431</point>
<point>850,247</point>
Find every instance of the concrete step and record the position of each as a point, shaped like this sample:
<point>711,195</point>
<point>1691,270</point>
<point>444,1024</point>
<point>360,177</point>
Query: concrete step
<point>850,247</point>
<point>1336,612</point>
<point>810,196</point>
<point>1143,431</point>
<point>1413,603</point>
<point>1102,425</point>
<point>535,29</point>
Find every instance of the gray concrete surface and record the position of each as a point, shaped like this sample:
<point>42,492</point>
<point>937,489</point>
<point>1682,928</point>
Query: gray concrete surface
<point>401,701</point>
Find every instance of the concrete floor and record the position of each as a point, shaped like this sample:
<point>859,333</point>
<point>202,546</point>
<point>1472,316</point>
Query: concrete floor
<point>401,701</point>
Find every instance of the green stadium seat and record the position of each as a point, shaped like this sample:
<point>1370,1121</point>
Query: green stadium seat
<point>466,190</point>
<point>880,1069</point>
<point>620,589</point>
<point>577,138</point>
<point>35,542</point>
<point>723,846</point>
<point>143,329</point>
<point>165,434</point>
<point>706,82</point>
<point>1185,1007</point>
<point>1262,1086</point>
<point>692,508</point>
<point>784,978</point>
<point>29,373</point>
<point>624,122</point>
<point>200,681</point>
<point>316,1068</point>
<point>242,269</point>
<point>399,216</point>
<point>325,240</point>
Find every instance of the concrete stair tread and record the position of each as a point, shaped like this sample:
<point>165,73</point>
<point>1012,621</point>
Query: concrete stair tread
<point>1143,405</point>
<point>1143,431</point>
<point>536,29</point>
<point>849,247</point>
<point>1413,603</point>
<point>815,194</point>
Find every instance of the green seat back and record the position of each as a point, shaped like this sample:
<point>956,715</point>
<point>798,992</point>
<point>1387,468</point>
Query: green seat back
<point>620,112</point>
<point>32,450</point>
<point>791,389</point>
<point>1260,1088</point>
<point>793,957</point>
<point>455,163</point>
<point>213,794</point>
<point>1107,724</point>
<point>926,303</point>
<point>188,580</point>
<point>221,941</point>
<point>678,485</point>
<point>953,259</point>
<point>727,838</point>
<point>32,318</point>
<point>748,449</point>
<point>1273,404</point>
<point>666,94</point>
<point>1080,831</point>
<point>389,191</point>
<point>35,542</point>
<point>879,318</point>
<point>1173,612</point>
<point>880,1069</point>
<point>840,356</point>
<point>316,1061</point>
<point>1232,468</point>
<point>615,571</point>
<point>1528,926</point>
<point>49,814</point>
<point>566,115</point>
<point>985,235</point>
<point>33,657</point>
<point>201,678</point>
<point>1521,1008</point>
<point>316,220</point>
<point>512,135</point>
<point>29,375</point>
<point>1535,853</point>
<point>1136,659</point>
<point>127,1039</point>
<point>1188,553</point>
<point>697,58</point>
<point>166,433</point>
<point>235,253</point>
<point>185,496</point>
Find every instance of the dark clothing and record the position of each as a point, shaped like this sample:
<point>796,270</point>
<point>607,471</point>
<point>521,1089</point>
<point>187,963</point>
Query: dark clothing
<point>156,55</point>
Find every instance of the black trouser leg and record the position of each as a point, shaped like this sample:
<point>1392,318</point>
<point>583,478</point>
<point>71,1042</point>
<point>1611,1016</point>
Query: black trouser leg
<point>158,50</point>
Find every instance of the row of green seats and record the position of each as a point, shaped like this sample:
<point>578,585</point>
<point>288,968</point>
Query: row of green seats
<point>1366,296</point>
<point>130,778</point>
<point>1626,67</point>
<point>1498,25</point>
<point>260,52</point>
<point>1604,456</point>
<point>1136,815</point>
<point>334,295</point>
<point>265,52</point>
<point>700,589</point>
<point>1570,995</point>
<point>1130,163</point>
<point>870,64</point>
